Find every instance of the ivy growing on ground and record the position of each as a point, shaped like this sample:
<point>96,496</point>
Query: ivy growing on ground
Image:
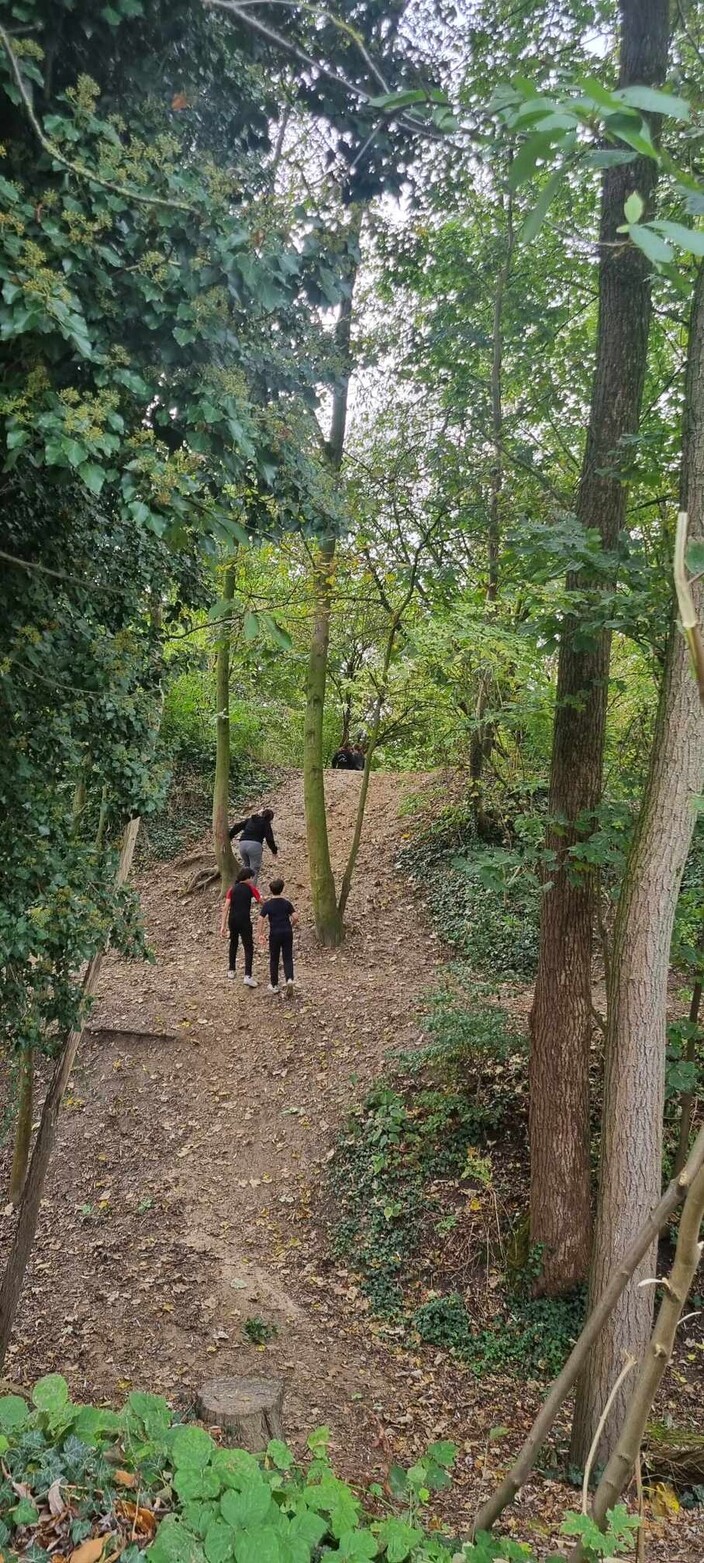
<point>150,1487</point>
<point>426,1127</point>
<point>483,900</point>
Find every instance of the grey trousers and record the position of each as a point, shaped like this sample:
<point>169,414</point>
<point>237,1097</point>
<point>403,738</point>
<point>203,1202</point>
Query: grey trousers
<point>251,855</point>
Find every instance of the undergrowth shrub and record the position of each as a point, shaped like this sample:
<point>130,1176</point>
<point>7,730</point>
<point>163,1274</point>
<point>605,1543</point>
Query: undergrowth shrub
<point>416,1157</point>
<point>139,1485</point>
<point>414,1129</point>
<point>532,1337</point>
<point>484,901</point>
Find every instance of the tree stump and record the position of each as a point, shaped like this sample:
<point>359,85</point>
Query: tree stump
<point>250,1409</point>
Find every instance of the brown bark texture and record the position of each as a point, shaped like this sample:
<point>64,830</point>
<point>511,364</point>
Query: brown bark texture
<point>676,1288</point>
<point>634,1064</point>
<point>557,1394</point>
<point>561,1018</point>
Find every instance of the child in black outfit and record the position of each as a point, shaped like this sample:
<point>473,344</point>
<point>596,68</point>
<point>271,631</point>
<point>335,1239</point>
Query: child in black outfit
<point>282,921</point>
<point>238,903</point>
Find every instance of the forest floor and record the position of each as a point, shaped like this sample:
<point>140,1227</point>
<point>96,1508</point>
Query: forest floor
<point>186,1193</point>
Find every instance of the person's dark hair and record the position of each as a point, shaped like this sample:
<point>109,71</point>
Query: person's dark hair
<point>267,813</point>
<point>244,873</point>
<point>276,886</point>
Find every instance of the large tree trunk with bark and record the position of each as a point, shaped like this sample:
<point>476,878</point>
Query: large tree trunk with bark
<point>562,1010</point>
<point>634,1069</point>
<point>224,855</point>
<point>327,919</point>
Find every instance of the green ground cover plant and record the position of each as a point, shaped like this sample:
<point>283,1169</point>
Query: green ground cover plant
<point>142,1485</point>
<point>483,900</point>
<point>416,1152</point>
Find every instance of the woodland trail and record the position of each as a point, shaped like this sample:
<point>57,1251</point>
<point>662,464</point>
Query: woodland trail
<point>186,1193</point>
<point>185,1190</point>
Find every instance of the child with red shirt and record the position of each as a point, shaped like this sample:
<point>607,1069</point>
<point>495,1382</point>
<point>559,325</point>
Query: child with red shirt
<point>236,912</point>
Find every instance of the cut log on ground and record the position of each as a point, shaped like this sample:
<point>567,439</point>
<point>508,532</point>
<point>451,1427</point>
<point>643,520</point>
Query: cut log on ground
<point>249,1409</point>
<point>674,1454</point>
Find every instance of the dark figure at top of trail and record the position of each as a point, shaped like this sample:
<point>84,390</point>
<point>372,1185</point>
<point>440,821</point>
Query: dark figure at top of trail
<point>357,761</point>
<point>344,759</point>
<point>255,831</point>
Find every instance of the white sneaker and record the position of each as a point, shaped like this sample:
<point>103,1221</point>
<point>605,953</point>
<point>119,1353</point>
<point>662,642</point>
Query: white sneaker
<point>272,989</point>
<point>250,982</point>
<point>289,987</point>
<point>232,975</point>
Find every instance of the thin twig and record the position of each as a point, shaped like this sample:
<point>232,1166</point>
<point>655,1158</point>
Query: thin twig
<point>629,1363</point>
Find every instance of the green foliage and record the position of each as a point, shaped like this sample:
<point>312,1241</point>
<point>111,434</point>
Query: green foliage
<point>258,1331</point>
<point>218,1505</point>
<point>531,1337</point>
<point>416,1134</point>
<point>399,1141</point>
<point>485,902</point>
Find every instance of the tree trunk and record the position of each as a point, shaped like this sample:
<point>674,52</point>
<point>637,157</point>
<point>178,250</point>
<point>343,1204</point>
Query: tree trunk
<point>23,1126</point>
<point>634,1065</point>
<point>369,756</point>
<point>687,1097</point>
<point>327,919</point>
<point>482,741</point>
<point>28,1215</point>
<point>676,1288</point>
<point>561,1386</point>
<point>222,848</point>
<point>328,923</point>
<point>560,1193</point>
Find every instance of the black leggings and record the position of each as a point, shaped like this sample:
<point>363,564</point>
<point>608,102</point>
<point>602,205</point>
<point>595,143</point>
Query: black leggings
<point>242,931</point>
<point>280,944</point>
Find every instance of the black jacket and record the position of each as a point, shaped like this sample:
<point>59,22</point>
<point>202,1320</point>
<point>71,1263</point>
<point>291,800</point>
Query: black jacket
<point>254,829</point>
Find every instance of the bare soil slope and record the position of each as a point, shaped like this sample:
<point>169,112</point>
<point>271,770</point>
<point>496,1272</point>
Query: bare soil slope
<point>184,1194</point>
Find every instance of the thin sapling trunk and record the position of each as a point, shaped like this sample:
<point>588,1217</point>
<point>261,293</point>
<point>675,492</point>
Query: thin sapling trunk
<point>369,756</point>
<point>23,1124</point>
<point>28,1214</point>
<point>560,1388</point>
<point>224,856</point>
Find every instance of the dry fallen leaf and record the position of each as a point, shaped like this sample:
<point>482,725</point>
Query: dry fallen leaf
<point>90,1551</point>
<point>54,1498</point>
<point>125,1478</point>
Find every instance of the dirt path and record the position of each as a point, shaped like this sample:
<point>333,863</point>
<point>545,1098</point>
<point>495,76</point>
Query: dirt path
<point>185,1192</point>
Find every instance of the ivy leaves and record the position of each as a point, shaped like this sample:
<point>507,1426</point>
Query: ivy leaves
<point>152,319</point>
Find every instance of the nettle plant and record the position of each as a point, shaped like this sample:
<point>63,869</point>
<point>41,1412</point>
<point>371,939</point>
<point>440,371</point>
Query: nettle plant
<point>139,1484</point>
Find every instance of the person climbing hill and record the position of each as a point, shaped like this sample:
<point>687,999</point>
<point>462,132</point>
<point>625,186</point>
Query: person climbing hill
<point>236,913</point>
<point>282,919</point>
<point>256,830</point>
